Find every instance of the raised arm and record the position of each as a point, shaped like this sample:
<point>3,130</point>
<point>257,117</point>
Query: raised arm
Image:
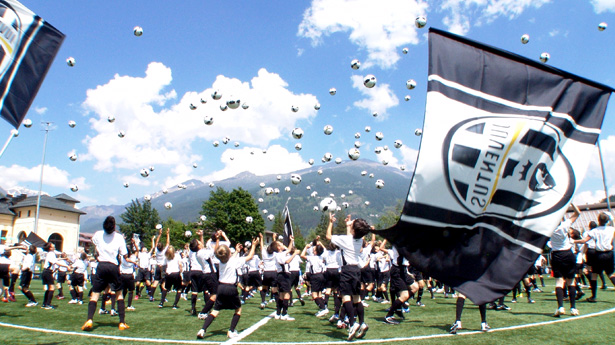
<point>329,234</point>
<point>168,238</point>
<point>304,251</point>
<point>251,253</point>
<point>575,215</point>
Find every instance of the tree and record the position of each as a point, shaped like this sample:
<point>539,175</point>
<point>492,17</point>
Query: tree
<point>278,224</point>
<point>389,218</point>
<point>177,236</point>
<point>228,211</point>
<point>140,218</point>
<point>339,228</point>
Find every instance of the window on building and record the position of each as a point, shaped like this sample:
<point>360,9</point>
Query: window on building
<point>19,214</point>
<point>29,213</point>
<point>57,240</point>
<point>3,238</point>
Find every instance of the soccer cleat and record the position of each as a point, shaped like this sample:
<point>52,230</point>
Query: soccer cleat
<point>175,306</point>
<point>113,313</point>
<point>151,298</point>
<point>492,306</point>
<point>103,312</point>
<point>362,330</point>
<point>193,312</point>
<point>514,300</point>
<point>574,312</point>
<point>579,295</point>
<point>61,297</point>
<point>161,305</point>
<point>202,316</point>
<point>591,300</point>
<point>287,318</point>
<point>340,324</point>
<point>123,326</point>
<point>48,307</point>
<point>200,334</point>
<point>484,327</point>
<point>277,316</point>
<point>559,311</point>
<point>322,312</point>
<point>455,327</point>
<point>80,302</point>
<point>391,320</point>
<point>232,334</point>
<point>87,326</point>
<point>334,318</point>
<point>263,305</point>
<point>365,305</point>
<point>419,304</point>
<point>72,301</point>
<point>530,301</point>
<point>130,308</point>
<point>384,301</point>
<point>31,304</point>
<point>352,331</point>
<point>537,290</point>
<point>503,307</point>
<point>301,301</point>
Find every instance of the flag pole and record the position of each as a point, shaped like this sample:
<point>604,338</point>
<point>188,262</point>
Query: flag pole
<point>287,200</point>
<point>14,133</point>
<point>606,188</point>
<point>40,186</point>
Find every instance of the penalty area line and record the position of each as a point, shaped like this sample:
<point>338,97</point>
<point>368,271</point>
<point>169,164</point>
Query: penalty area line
<point>249,330</point>
<point>102,336</point>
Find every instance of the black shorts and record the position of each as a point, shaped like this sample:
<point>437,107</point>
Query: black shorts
<point>61,277</point>
<point>350,280</point>
<point>128,281</point>
<point>308,276</point>
<point>294,278</point>
<point>384,277</point>
<point>590,256</point>
<point>604,263</point>
<point>418,275</point>
<point>531,271</point>
<point>269,278</point>
<point>143,275</point>
<point>26,279</point>
<point>283,281</point>
<point>107,274</point>
<point>318,282</point>
<point>407,276</point>
<point>47,276</point>
<point>77,279</point>
<point>227,297</point>
<point>197,281</point>
<point>173,281</point>
<point>564,264</point>
<point>254,279</point>
<point>539,270</point>
<point>366,275</point>
<point>211,283</point>
<point>332,277</point>
<point>159,273</point>
<point>398,281</point>
<point>186,277</point>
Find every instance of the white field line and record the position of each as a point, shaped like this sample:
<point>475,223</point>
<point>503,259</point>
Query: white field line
<point>249,330</point>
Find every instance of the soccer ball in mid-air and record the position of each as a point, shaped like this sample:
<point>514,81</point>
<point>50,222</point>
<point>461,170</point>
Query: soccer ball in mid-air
<point>544,57</point>
<point>405,50</point>
<point>602,26</point>
<point>379,136</point>
<point>192,106</point>
<point>73,157</point>
<point>287,189</point>
<point>338,160</point>
<point>295,178</point>
<point>378,150</point>
<point>298,146</point>
<point>168,205</point>
<point>402,167</point>
<point>410,84</point>
<point>311,161</point>
<point>363,173</point>
<point>203,217</point>
<point>420,22</point>
<point>121,134</point>
<point>379,184</point>
<point>328,204</point>
<point>328,129</point>
<point>158,226</point>
<point>355,64</point>
<point>418,132</point>
<point>317,106</point>
<point>188,233</point>
<point>208,120</point>
<point>74,188</point>
<point>328,156</point>
<point>216,95</point>
<point>249,219</point>
<point>332,91</point>
<point>525,39</point>
<point>194,165</point>
<point>144,172</point>
<point>357,144</point>
<point>297,133</point>
<point>245,105</point>
<point>369,81</point>
<point>138,31</point>
<point>27,123</point>
<point>368,129</point>
<point>126,184</point>
<point>397,143</point>
<point>147,197</point>
<point>233,103</point>
<point>294,108</point>
<point>70,61</point>
<point>407,98</point>
<point>271,217</point>
<point>72,124</point>
<point>111,119</point>
<point>327,180</point>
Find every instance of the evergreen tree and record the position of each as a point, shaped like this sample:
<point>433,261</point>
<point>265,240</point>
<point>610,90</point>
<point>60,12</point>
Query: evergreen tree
<point>176,234</point>
<point>140,218</point>
<point>278,224</point>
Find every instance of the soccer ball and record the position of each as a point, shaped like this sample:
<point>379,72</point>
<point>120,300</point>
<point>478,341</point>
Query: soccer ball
<point>236,144</point>
<point>319,171</point>
<point>72,157</point>
<point>265,211</point>
<point>420,22</point>
<point>298,146</point>
<point>317,106</point>
<point>355,64</point>
<point>311,161</point>
<point>72,124</point>
<point>544,57</point>
<point>151,168</point>
<point>74,188</point>
<point>328,204</point>
<point>366,203</point>
<point>216,95</point>
<point>121,134</point>
<point>126,184</point>
<point>328,157</point>
<point>247,244</point>
<point>249,220</point>
<point>315,208</point>
<point>314,194</point>
<point>158,226</point>
<point>245,105</point>
<point>138,31</point>
<point>294,108</point>
<point>379,136</point>
<point>271,217</point>
<point>194,165</point>
<point>397,143</point>
<point>407,98</point>
<point>525,39</point>
<point>602,26</point>
<point>208,120</point>
<point>363,173</point>
<point>287,189</point>
<point>264,151</point>
<point>332,91</point>
<point>385,147</point>
<point>147,197</point>
<point>262,184</point>
<point>410,84</point>
<point>226,140</point>
<point>203,217</point>
<point>371,175</point>
<point>378,150</point>
<point>261,200</point>
<point>295,178</point>
<point>276,190</point>
<point>111,119</point>
<point>357,144</point>
<point>203,100</point>
<point>188,233</point>
<point>223,107</point>
<point>297,133</point>
<point>357,135</point>
<point>379,184</point>
<point>233,103</point>
<point>375,114</point>
<point>279,177</point>
<point>211,185</point>
<point>168,205</point>
<point>327,180</point>
<point>368,129</point>
<point>338,160</point>
<point>350,192</point>
<point>328,129</point>
<point>369,81</point>
<point>144,173</point>
<point>405,50</point>
<point>27,123</point>
<point>192,106</point>
<point>216,143</point>
<point>418,132</point>
<point>268,191</point>
<point>345,204</point>
<point>70,61</point>
<point>402,167</point>
<point>165,191</point>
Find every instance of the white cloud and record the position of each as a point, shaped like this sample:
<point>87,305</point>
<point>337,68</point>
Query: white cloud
<point>382,27</point>
<point>40,110</point>
<point>588,197</point>
<point>16,175</point>
<point>164,137</point>
<point>603,5</point>
<point>378,99</point>
<point>554,32</point>
<point>409,156</point>
<point>594,171</point>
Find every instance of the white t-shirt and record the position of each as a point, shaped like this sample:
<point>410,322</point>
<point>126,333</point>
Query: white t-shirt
<point>268,261</point>
<point>280,261</point>
<point>109,246</point>
<point>80,266</point>
<point>173,264</point>
<point>294,264</point>
<point>350,247</point>
<point>316,263</point>
<point>127,267</point>
<point>50,260</point>
<point>253,264</point>
<point>603,235</point>
<point>560,239</point>
<point>144,258</point>
<point>28,262</point>
<point>160,258</point>
<point>228,270</point>
<point>332,258</point>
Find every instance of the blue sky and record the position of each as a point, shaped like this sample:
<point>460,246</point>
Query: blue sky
<point>271,55</point>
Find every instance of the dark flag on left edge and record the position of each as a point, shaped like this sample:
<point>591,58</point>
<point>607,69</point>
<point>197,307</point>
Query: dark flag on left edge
<point>28,45</point>
<point>288,226</point>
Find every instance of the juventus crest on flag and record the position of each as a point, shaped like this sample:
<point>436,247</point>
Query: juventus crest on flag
<point>28,46</point>
<point>505,144</point>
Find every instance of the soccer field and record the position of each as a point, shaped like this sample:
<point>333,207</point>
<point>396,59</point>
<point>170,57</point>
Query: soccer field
<point>532,323</point>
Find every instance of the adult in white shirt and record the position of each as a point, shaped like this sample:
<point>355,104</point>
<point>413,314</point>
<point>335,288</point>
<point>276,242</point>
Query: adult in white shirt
<point>109,245</point>
<point>228,297</point>
<point>603,261</point>
<point>350,277</point>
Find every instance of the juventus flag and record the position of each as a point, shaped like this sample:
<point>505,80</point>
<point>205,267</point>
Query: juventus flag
<point>28,46</point>
<point>288,227</point>
<point>506,140</point>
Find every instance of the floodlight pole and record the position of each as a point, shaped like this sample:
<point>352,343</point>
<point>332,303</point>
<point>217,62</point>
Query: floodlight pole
<point>14,133</point>
<point>606,188</point>
<point>40,186</point>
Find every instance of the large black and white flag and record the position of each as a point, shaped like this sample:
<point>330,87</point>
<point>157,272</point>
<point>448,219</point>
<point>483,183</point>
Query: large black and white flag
<point>288,226</point>
<point>28,46</point>
<point>506,140</point>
